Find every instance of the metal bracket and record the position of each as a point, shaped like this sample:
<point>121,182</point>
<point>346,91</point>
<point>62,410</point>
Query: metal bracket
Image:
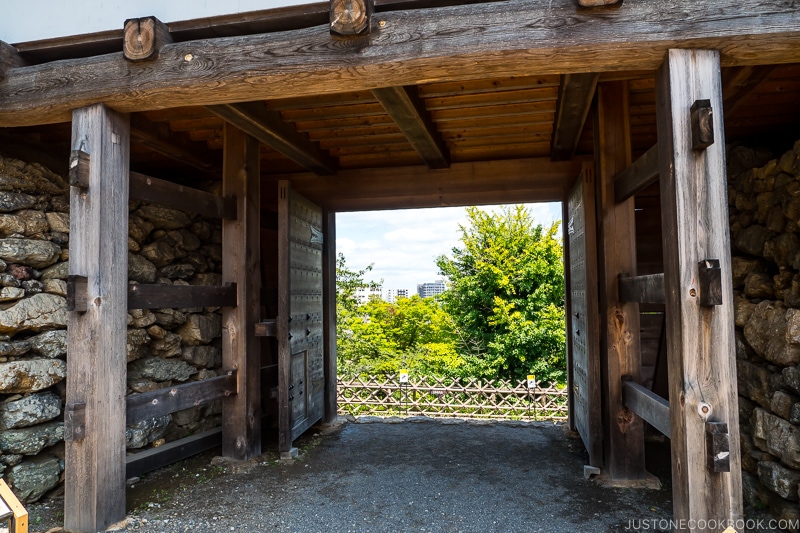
<point>75,421</point>
<point>79,169</point>
<point>702,118</point>
<point>710,278</point>
<point>718,447</point>
<point>77,293</point>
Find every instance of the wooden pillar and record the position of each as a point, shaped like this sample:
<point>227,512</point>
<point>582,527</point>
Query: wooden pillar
<point>565,218</point>
<point>329,312</point>
<point>619,353</point>
<point>700,338</point>
<point>96,367</point>
<point>241,263</point>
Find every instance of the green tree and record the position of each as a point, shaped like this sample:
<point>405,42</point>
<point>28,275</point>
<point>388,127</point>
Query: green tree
<point>506,296</point>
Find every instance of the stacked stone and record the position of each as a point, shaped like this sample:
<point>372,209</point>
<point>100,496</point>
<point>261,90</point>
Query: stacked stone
<point>164,346</point>
<point>764,206</point>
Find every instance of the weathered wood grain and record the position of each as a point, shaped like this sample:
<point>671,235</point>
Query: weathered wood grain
<point>96,339</point>
<point>575,95</point>
<point>408,111</point>
<point>619,350</point>
<point>465,41</point>
<point>161,402</point>
<point>700,340</point>
<point>329,313</point>
<point>9,58</point>
<point>181,197</point>
<point>637,177</point>
<point>143,38</point>
<point>647,289</point>
<point>171,452</point>
<point>268,127</point>
<point>241,263</point>
<point>351,17</point>
<point>651,407</point>
<point>147,296</point>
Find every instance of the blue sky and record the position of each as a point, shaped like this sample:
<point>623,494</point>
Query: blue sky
<point>403,245</point>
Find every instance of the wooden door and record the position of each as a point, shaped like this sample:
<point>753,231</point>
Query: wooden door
<point>301,376</point>
<point>584,322</point>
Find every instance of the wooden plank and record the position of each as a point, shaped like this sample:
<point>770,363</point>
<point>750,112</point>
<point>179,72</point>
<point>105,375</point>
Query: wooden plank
<point>647,289</point>
<point>740,83</point>
<point>700,340</point>
<point>480,183</point>
<point>9,58</point>
<point>95,476</point>
<point>19,523</point>
<point>147,296</point>
<point>307,61</point>
<point>284,311</point>
<point>181,197</point>
<point>165,401</point>
<point>171,452</point>
<point>267,126</point>
<point>584,314</point>
<point>637,177</point>
<point>624,444</point>
<point>650,406</point>
<point>575,95</point>
<point>351,17</point>
<point>539,94</point>
<point>241,264</point>
<point>408,111</point>
<point>329,314</point>
<point>143,38</point>
<point>174,145</point>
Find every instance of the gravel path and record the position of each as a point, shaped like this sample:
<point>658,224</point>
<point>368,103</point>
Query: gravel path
<point>417,475</point>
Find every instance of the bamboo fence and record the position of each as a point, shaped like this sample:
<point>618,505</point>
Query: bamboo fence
<point>451,397</point>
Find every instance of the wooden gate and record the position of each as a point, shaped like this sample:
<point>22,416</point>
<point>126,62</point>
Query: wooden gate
<point>585,316</point>
<point>301,376</point>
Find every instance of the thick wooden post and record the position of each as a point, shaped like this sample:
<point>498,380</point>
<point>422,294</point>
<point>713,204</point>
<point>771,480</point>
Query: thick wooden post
<point>619,353</point>
<point>241,263</point>
<point>700,338</point>
<point>329,312</point>
<point>96,367</point>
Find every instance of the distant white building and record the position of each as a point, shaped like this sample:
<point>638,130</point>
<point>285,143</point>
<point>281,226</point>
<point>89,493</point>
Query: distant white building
<point>393,294</point>
<point>426,290</point>
<point>365,294</point>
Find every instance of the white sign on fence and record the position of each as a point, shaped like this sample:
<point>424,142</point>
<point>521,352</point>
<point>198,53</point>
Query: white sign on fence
<point>531,381</point>
<point>404,376</point>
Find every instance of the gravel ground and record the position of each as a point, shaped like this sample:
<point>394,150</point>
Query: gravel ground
<point>393,476</point>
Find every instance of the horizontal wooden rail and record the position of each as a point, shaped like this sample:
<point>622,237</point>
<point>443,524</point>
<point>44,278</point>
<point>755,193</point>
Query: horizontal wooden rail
<point>650,406</point>
<point>170,194</point>
<point>146,296</point>
<point>267,328</point>
<point>647,289</point>
<point>635,178</point>
<point>165,401</point>
<point>172,452</point>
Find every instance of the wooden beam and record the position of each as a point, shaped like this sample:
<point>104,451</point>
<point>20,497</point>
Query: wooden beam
<point>161,402</point>
<point>408,111</point>
<point>619,350</point>
<point>650,406</point>
<point>307,62</point>
<point>351,17</point>
<point>174,145</point>
<point>9,58</point>
<point>143,38</point>
<point>740,82</point>
<point>329,314</point>
<point>177,196</point>
<point>266,125</point>
<point>700,340</point>
<point>95,474</point>
<point>575,95</point>
<point>171,452</point>
<point>647,289</point>
<point>481,183</point>
<point>241,264</point>
<point>637,177</point>
<point>145,296</point>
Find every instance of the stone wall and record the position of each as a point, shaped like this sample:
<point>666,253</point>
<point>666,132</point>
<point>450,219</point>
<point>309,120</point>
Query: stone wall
<point>165,346</point>
<point>764,205</point>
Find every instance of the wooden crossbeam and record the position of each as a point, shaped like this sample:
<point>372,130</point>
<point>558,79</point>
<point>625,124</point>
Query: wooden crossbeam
<point>146,296</point>
<point>575,94</point>
<point>307,62</point>
<point>171,452</point>
<point>143,38</point>
<point>408,111</point>
<point>177,196</point>
<point>9,58</point>
<point>161,402</point>
<point>176,146</point>
<point>650,406</point>
<point>266,125</point>
<point>647,289</point>
<point>740,82</point>
<point>642,173</point>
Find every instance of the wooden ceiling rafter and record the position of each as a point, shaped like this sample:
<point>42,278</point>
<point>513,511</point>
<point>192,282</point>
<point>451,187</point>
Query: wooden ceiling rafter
<point>174,145</point>
<point>266,125</point>
<point>575,95</point>
<point>408,111</point>
<point>740,82</point>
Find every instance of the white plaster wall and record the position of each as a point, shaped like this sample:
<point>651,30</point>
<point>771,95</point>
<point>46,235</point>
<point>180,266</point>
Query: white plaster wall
<point>32,20</point>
